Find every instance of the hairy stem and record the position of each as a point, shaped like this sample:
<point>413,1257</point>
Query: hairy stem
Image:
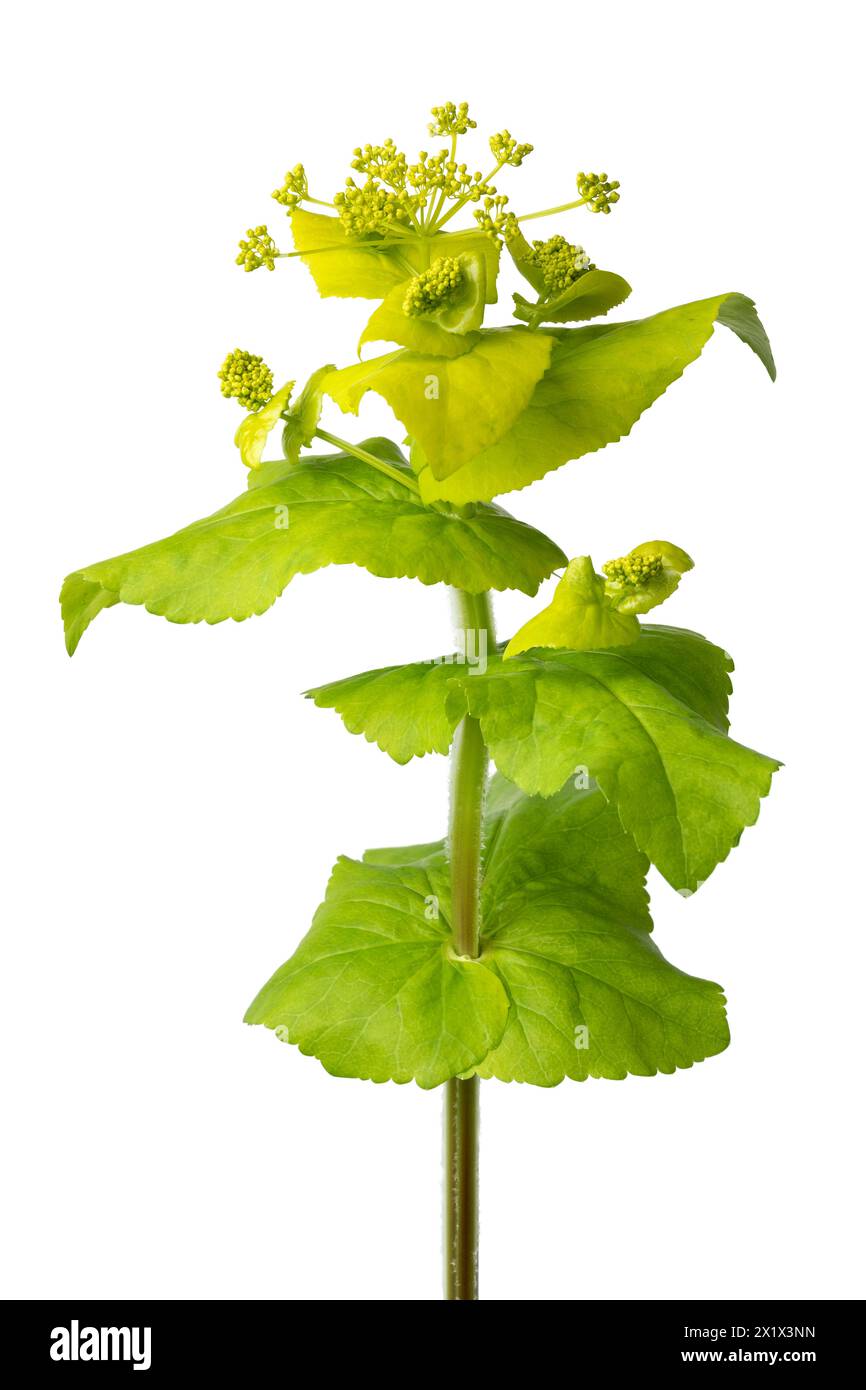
<point>462,1105</point>
<point>462,1098</point>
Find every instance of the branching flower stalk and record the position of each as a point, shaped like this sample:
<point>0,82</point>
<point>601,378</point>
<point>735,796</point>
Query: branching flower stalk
<point>518,947</point>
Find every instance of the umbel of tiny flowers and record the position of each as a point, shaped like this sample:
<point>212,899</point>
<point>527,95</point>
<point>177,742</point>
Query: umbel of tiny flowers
<point>387,199</point>
<point>294,188</point>
<point>634,569</point>
<point>494,218</point>
<point>450,119</point>
<point>396,198</point>
<point>370,208</point>
<point>505,149</point>
<point>259,249</point>
<point>597,191</point>
<point>248,378</point>
<point>434,287</point>
<point>560,262</point>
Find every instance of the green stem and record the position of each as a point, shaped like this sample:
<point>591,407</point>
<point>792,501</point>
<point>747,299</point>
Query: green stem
<point>463,201</point>
<point>400,475</point>
<point>462,1099</point>
<point>384,244</point>
<point>549,212</point>
<point>437,204</point>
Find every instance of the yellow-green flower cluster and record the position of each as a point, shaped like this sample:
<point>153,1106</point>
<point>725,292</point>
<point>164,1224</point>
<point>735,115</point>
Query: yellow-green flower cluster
<point>505,149</point>
<point>495,220</point>
<point>247,378</point>
<point>383,162</point>
<point>634,569</point>
<point>598,191</point>
<point>369,208</point>
<point>389,198</point>
<point>294,189</point>
<point>433,287</point>
<point>559,262</point>
<point>450,119</point>
<point>259,249</point>
<point>438,173</point>
<point>398,196</point>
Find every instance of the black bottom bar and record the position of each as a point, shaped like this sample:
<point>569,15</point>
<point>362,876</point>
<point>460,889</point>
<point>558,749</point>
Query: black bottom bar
<point>159,1338</point>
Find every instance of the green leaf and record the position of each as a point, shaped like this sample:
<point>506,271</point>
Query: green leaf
<point>464,312</point>
<point>567,931</point>
<point>80,602</point>
<point>646,720</point>
<point>329,511</point>
<point>448,331</point>
<point>686,664</point>
<point>456,407</point>
<point>275,470</point>
<point>389,324</point>
<point>595,293</point>
<point>579,616</point>
<point>739,314</point>
<point>375,990</point>
<point>683,790</point>
<point>413,709</point>
<point>633,591</point>
<point>350,268</point>
<point>300,427</point>
<point>600,381</point>
<point>252,433</point>
<point>407,710</point>
<point>524,258</point>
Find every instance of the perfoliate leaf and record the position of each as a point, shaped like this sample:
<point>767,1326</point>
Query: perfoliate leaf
<point>595,293</point>
<point>341,265</point>
<point>465,312</point>
<point>568,982</point>
<point>454,407</point>
<point>694,670</point>
<point>645,577</point>
<point>407,710</point>
<point>524,258</point>
<point>567,931</point>
<point>413,709</point>
<point>646,721</point>
<point>389,324</point>
<point>375,990</point>
<point>252,432</point>
<point>600,381</point>
<point>362,269</point>
<point>683,790</point>
<point>299,430</point>
<point>579,616</point>
<point>447,331</point>
<point>330,511</point>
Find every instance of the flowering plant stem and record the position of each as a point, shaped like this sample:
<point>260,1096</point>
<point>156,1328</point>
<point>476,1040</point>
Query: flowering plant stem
<point>462,1122</point>
<point>469,768</point>
<point>520,948</point>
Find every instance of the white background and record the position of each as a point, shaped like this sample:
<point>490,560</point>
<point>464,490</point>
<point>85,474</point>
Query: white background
<point>174,806</point>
